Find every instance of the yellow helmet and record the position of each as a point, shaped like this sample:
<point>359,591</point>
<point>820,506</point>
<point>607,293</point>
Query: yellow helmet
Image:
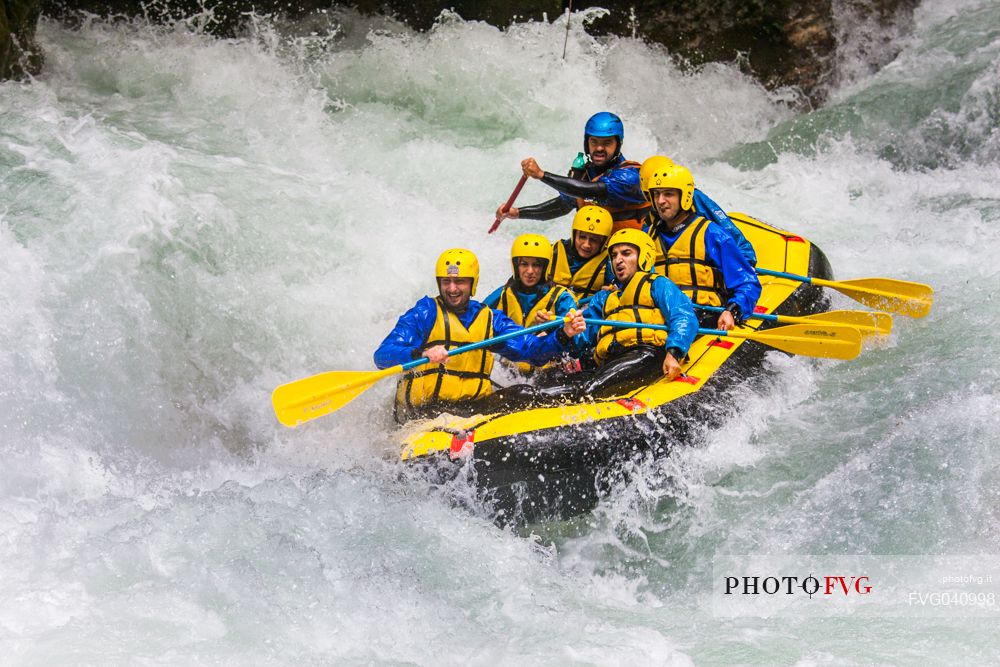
<point>458,263</point>
<point>675,177</point>
<point>641,240</point>
<point>531,245</point>
<point>593,220</point>
<point>654,167</point>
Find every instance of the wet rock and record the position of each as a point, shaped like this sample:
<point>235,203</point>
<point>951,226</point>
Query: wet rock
<point>783,43</point>
<point>19,55</point>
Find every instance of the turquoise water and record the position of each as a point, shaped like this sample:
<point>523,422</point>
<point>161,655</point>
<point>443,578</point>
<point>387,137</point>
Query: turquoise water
<point>186,223</point>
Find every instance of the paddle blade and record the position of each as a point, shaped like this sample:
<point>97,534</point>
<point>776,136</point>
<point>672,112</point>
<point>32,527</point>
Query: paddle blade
<point>868,323</point>
<point>812,340</point>
<point>306,399</point>
<point>896,296</point>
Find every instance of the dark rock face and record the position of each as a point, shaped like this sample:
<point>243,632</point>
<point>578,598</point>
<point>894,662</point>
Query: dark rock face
<point>19,55</point>
<point>781,42</point>
<point>790,43</point>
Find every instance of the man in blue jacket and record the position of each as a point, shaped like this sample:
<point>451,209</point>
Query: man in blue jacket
<point>695,253</point>
<point>605,178</point>
<point>629,356</point>
<point>703,206</point>
<point>461,383</point>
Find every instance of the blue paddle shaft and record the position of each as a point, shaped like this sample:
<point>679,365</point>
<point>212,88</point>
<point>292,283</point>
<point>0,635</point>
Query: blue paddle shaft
<point>756,316</point>
<point>640,325</point>
<point>489,341</point>
<point>779,274</point>
<point>548,325</point>
<point>763,272</point>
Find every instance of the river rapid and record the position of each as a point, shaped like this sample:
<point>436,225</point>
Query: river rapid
<point>187,222</point>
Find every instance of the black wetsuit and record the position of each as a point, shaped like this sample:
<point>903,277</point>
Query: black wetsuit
<point>570,185</point>
<point>629,368</point>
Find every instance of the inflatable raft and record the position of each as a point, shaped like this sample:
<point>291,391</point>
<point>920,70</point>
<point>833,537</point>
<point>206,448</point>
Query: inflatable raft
<point>556,461</point>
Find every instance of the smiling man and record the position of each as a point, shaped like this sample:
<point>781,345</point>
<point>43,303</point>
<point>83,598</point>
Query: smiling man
<point>703,206</point>
<point>461,383</point>
<point>695,253</point>
<point>606,178</point>
<point>630,356</point>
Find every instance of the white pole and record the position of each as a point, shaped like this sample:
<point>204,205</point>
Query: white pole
<point>569,8</point>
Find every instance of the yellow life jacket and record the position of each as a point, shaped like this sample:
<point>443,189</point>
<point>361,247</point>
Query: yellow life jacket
<point>462,377</point>
<point>511,307</point>
<point>634,303</point>
<point>685,262</point>
<point>588,279</point>
<point>626,215</point>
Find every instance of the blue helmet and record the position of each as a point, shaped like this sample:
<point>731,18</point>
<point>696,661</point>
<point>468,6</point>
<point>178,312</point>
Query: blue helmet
<point>604,124</point>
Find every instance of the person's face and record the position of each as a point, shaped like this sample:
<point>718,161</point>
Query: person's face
<point>530,270</point>
<point>587,245</point>
<point>601,149</point>
<point>624,261</point>
<point>455,292</point>
<point>667,202</point>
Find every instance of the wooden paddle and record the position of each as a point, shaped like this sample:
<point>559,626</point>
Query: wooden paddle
<point>510,202</point>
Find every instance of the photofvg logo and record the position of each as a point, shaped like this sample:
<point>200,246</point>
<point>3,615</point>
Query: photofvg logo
<point>810,585</point>
<point>912,586</point>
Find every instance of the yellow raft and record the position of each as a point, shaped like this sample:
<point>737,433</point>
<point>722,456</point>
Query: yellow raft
<point>556,461</point>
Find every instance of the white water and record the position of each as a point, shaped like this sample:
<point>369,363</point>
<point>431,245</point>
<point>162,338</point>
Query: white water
<point>185,223</point>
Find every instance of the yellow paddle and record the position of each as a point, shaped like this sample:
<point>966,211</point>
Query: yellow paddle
<point>897,296</point>
<point>868,323</point>
<point>318,395</point>
<point>306,399</point>
<point>812,340</point>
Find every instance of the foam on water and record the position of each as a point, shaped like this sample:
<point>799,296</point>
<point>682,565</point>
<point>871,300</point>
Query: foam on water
<point>186,223</point>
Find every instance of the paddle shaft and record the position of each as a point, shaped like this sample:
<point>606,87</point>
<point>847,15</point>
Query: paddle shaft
<point>781,274</point>
<point>399,368</point>
<point>315,396</point>
<point>488,342</point>
<point>658,327</point>
<point>813,340</point>
<point>869,323</point>
<point>510,202</point>
<point>779,319</point>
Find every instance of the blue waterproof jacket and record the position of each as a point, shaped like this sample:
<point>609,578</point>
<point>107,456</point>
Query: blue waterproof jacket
<point>721,251</point>
<point>707,208</point>
<point>405,342</point>
<point>676,307</point>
